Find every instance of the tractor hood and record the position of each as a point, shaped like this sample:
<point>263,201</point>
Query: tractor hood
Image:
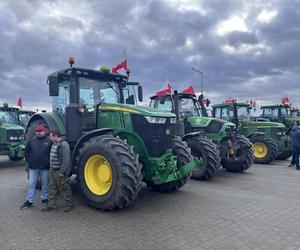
<point>8,126</point>
<point>145,111</point>
<point>262,124</point>
<point>196,121</point>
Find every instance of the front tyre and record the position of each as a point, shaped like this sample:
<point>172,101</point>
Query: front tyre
<point>210,154</point>
<point>243,156</point>
<point>109,173</point>
<point>183,153</point>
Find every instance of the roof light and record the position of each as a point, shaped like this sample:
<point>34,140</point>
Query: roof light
<point>71,60</point>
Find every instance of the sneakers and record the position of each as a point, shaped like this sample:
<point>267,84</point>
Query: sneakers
<point>68,208</point>
<point>297,168</point>
<point>291,165</point>
<point>45,202</point>
<point>49,209</point>
<point>26,204</point>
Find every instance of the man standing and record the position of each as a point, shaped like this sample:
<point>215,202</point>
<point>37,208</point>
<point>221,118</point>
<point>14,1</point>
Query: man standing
<point>60,167</point>
<point>296,145</point>
<point>37,153</point>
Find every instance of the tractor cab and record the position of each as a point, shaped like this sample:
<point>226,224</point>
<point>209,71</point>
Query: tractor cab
<point>188,104</point>
<point>281,113</point>
<point>232,111</point>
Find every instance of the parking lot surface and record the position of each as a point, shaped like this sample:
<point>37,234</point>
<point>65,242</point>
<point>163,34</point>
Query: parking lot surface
<point>258,209</point>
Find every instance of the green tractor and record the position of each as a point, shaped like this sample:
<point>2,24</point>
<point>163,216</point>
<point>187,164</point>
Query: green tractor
<point>115,145</point>
<point>268,138</point>
<point>12,138</point>
<point>235,150</point>
<point>280,113</point>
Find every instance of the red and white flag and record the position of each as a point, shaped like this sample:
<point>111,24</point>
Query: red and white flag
<point>164,91</point>
<point>188,90</point>
<point>121,65</point>
<point>20,102</point>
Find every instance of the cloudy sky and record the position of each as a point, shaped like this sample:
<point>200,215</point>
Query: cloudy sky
<point>245,49</point>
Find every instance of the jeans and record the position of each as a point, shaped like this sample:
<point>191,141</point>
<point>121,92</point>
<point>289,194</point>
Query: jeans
<point>295,157</point>
<point>33,177</point>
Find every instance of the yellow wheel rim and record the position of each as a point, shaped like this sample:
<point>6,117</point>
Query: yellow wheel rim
<point>98,175</point>
<point>260,150</point>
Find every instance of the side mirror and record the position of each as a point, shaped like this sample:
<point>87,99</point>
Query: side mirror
<point>53,85</point>
<point>140,93</point>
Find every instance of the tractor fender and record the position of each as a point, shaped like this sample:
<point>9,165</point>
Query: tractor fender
<point>255,134</point>
<point>85,138</point>
<point>131,138</point>
<point>48,119</point>
<point>192,134</point>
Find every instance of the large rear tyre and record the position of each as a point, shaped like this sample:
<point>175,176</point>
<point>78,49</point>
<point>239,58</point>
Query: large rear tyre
<point>264,149</point>
<point>109,173</point>
<point>243,157</point>
<point>210,154</point>
<point>183,153</point>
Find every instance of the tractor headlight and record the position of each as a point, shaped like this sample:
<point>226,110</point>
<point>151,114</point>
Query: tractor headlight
<point>13,138</point>
<point>153,119</point>
<point>173,120</point>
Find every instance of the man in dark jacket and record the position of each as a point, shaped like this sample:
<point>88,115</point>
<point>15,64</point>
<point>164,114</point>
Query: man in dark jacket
<point>296,145</point>
<point>37,153</point>
<point>60,167</point>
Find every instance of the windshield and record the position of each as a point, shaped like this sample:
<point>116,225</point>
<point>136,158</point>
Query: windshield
<point>243,113</point>
<point>187,107</point>
<point>167,105</point>
<point>270,112</point>
<point>284,111</point>
<point>94,91</point>
<point>9,117</point>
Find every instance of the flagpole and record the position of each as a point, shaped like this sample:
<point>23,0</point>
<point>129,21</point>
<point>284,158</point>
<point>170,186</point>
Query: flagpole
<point>200,72</point>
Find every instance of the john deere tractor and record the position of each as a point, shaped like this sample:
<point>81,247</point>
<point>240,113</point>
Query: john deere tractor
<point>268,138</point>
<point>12,139</point>
<point>279,113</point>
<point>115,145</point>
<point>235,150</point>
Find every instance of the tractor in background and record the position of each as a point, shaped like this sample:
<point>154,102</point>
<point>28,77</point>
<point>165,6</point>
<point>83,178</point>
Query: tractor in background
<point>235,150</point>
<point>115,145</point>
<point>268,138</point>
<point>12,139</point>
<point>281,113</point>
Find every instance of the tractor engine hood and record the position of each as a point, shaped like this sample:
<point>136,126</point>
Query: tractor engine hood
<point>139,110</point>
<point>196,121</point>
<point>262,124</point>
<point>8,126</point>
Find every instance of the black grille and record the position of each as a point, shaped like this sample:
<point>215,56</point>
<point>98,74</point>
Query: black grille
<point>154,135</point>
<point>14,135</point>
